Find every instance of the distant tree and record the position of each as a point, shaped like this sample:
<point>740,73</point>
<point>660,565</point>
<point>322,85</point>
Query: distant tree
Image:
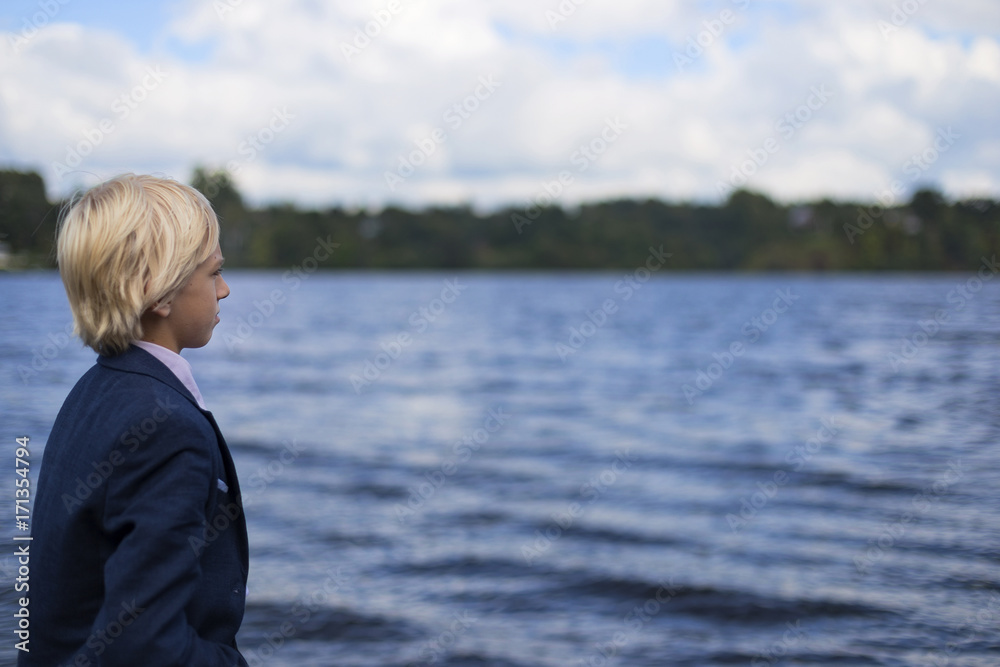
<point>928,204</point>
<point>749,231</point>
<point>220,190</point>
<point>27,219</point>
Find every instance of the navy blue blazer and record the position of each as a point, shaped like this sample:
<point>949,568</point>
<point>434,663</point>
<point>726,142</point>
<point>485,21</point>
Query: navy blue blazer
<point>139,553</point>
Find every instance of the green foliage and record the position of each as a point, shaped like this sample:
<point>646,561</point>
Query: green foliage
<point>218,187</point>
<point>27,219</point>
<point>747,232</point>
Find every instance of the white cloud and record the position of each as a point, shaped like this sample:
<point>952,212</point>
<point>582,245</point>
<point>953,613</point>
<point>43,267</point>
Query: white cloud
<point>358,105</point>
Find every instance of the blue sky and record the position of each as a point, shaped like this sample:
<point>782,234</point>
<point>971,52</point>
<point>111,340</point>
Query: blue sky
<point>139,22</point>
<point>297,104</point>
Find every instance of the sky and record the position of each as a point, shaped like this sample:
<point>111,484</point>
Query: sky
<point>507,102</point>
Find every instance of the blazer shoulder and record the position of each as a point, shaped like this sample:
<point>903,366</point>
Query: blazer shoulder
<point>136,363</point>
<point>134,401</point>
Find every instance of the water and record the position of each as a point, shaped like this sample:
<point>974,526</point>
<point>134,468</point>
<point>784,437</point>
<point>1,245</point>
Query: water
<point>393,521</point>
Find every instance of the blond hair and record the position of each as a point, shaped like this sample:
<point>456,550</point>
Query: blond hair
<point>125,246</point>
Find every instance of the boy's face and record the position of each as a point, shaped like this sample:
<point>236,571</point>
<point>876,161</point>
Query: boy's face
<point>189,318</point>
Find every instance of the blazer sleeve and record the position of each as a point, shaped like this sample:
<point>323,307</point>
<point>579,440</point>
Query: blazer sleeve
<point>156,508</point>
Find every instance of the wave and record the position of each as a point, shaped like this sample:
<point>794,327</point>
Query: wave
<point>469,566</point>
<point>312,622</point>
<point>712,602</point>
<point>557,589</point>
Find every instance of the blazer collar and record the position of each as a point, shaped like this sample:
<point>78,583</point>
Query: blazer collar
<point>137,360</point>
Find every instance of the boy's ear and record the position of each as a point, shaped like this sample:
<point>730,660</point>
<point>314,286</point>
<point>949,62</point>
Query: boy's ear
<point>161,308</point>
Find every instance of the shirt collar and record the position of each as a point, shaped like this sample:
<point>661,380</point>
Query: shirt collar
<point>177,364</point>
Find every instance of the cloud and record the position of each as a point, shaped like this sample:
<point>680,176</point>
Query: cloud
<point>365,86</point>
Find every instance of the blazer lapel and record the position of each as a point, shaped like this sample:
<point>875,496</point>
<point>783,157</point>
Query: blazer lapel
<point>234,485</point>
<point>137,360</point>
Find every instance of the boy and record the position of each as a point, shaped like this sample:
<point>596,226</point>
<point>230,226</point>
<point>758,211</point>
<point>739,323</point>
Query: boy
<point>139,553</point>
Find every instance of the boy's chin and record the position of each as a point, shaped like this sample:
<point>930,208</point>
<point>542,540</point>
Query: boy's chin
<point>201,342</point>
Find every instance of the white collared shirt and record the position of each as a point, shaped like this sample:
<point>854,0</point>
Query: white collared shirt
<point>177,364</point>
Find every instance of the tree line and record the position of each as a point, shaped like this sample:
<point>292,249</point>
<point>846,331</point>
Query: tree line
<point>747,232</point>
